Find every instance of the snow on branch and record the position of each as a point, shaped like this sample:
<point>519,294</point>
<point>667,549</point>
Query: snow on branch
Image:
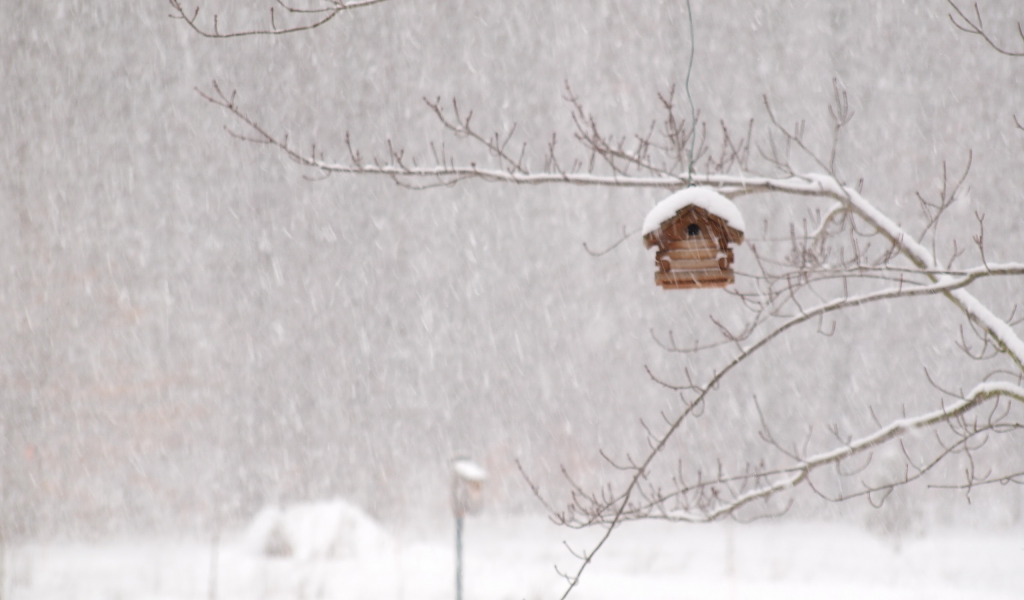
<point>897,428</point>
<point>627,167</point>
<point>1001,332</point>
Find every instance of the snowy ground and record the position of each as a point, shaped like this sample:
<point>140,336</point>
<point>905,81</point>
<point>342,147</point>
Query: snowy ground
<point>513,558</point>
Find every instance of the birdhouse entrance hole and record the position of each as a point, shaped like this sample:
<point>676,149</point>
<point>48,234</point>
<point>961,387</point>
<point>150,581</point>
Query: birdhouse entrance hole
<point>694,231</point>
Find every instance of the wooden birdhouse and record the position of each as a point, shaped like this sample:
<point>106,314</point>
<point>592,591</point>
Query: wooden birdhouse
<point>694,230</point>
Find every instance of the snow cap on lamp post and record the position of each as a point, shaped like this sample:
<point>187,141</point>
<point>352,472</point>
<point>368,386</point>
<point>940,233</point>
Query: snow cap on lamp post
<point>467,485</point>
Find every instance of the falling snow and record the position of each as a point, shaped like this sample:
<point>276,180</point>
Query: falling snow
<point>204,340</point>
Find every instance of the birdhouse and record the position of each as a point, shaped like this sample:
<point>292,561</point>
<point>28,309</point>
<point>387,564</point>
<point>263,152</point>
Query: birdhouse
<point>694,230</point>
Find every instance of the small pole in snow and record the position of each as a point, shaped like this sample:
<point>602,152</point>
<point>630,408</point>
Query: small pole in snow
<point>3,563</point>
<point>458,556</point>
<point>214,555</point>
<point>466,483</point>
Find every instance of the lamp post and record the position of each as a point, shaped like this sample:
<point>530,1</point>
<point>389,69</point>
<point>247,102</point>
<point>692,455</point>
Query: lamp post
<point>467,481</point>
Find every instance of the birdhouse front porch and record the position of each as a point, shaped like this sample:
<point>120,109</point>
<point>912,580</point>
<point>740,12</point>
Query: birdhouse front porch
<point>694,263</point>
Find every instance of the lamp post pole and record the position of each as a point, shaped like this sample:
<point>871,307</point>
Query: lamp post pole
<point>458,556</point>
<point>467,479</point>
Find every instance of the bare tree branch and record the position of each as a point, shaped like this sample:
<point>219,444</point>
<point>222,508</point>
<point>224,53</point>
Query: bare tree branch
<point>314,18</point>
<point>975,26</point>
<point>801,472</point>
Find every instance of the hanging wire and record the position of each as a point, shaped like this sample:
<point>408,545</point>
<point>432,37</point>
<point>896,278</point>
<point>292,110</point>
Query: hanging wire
<point>693,110</point>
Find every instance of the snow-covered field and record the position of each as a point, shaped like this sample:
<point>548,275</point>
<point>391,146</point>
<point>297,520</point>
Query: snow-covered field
<point>513,558</point>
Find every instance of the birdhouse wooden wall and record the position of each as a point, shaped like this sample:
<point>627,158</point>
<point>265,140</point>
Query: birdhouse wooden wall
<point>693,250</point>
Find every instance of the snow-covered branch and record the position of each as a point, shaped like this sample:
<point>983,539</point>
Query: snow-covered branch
<point>801,471</point>
<point>1001,332</point>
<point>628,168</point>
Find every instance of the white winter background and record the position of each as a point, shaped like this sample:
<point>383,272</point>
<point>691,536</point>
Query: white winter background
<point>194,330</point>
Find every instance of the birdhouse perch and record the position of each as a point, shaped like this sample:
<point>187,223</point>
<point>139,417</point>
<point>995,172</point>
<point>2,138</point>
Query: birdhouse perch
<point>695,230</point>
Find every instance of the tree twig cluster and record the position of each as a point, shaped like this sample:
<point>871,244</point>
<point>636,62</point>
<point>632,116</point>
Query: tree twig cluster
<point>652,159</point>
<point>287,19</point>
<point>975,25</point>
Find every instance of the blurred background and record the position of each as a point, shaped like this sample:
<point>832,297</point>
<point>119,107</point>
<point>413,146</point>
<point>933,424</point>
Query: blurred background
<point>194,327</point>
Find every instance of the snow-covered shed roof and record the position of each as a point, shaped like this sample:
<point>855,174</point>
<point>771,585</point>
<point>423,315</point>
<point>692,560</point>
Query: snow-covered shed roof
<point>702,197</point>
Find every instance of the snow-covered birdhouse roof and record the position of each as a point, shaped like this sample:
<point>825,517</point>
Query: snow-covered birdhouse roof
<point>710,204</point>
